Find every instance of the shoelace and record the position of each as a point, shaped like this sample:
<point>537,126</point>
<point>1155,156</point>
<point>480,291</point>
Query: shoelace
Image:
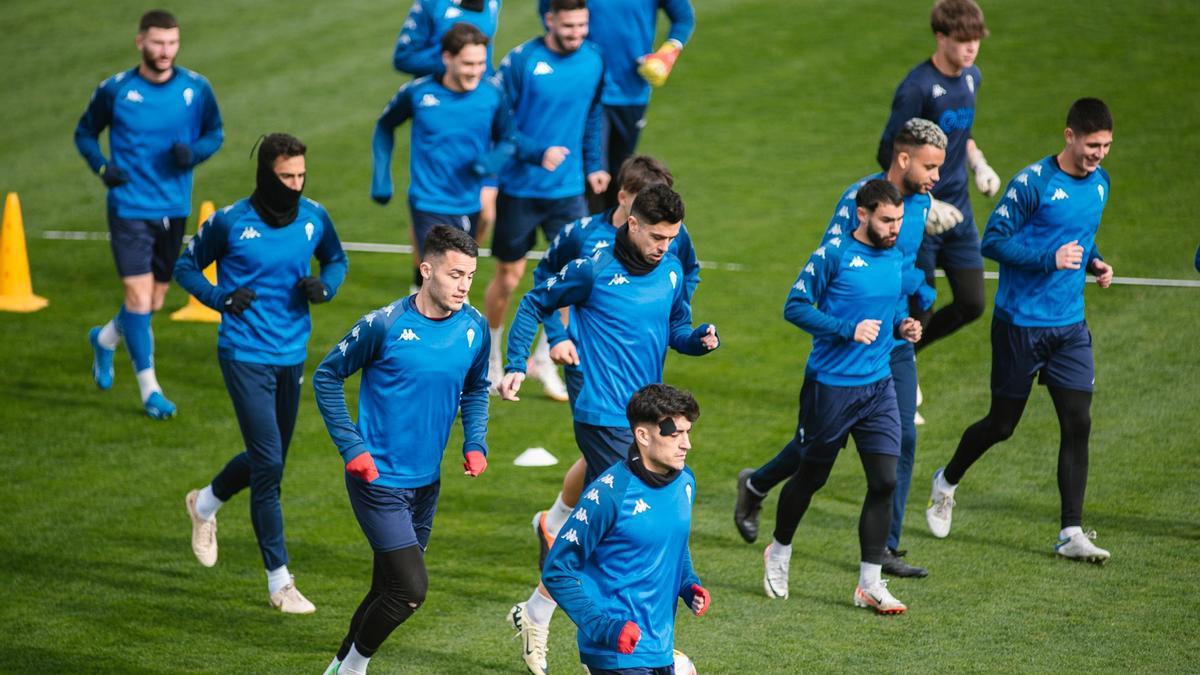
<point>943,504</point>
<point>1090,534</point>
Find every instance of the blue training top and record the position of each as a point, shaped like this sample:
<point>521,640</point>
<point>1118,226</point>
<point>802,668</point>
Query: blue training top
<point>1043,208</point>
<point>417,374</point>
<point>623,556</point>
<point>269,261</point>
<point>419,45</point>
<point>848,281</point>
<point>556,101</point>
<point>145,121</point>
<point>624,323</point>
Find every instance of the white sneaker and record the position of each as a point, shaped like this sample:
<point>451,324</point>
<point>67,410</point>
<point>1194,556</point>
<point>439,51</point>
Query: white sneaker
<point>775,574</point>
<point>289,600</point>
<point>878,598</point>
<point>332,669</point>
<point>547,373</point>
<point>941,506</point>
<point>204,532</point>
<point>1080,547</point>
<point>533,637</point>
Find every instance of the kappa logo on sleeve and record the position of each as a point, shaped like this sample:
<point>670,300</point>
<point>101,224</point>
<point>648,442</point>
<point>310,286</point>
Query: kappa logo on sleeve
<point>820,253</point>
<point>593,495</point>
<point>572,536</point>
<point>810,269</point>
<point>343,346</point>
<point>1012,194</point>
<point>800,286</point>
<point>1002,211</point>
<point>607,479</point>
<point>581,515</point>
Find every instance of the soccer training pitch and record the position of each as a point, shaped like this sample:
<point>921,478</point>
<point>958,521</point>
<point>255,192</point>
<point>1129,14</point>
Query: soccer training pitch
<point>774,107</point>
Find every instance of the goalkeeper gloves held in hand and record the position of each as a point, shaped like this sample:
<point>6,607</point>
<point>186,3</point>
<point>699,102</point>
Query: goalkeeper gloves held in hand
<point>986,178</point>
<point>656,67</point>
<point>942,216</point>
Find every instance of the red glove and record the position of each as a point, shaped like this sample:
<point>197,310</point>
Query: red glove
<point>476,463</point>
<point>628,639</point>
<point>701,600</point>
<point>363,466</point>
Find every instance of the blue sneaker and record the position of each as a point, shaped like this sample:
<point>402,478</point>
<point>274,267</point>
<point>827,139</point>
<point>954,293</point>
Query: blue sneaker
<point>159,408</point>
<point>102,361</point>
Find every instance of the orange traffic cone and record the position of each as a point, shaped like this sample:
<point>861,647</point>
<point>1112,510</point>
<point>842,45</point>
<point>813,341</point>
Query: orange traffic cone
<point>195,310</point>
<point>16,289</point>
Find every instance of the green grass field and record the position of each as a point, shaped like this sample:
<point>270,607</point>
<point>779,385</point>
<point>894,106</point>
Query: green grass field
<point>772,110</point>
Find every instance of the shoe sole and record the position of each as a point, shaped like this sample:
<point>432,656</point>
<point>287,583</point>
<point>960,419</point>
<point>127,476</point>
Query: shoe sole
<point>1093,559</point>
<point>866,604</point>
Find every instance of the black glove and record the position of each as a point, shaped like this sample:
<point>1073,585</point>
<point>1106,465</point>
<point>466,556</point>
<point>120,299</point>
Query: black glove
<point>239,301</point>
<point>113,176</point>
<point>314,288</point>
<point>183,155</point>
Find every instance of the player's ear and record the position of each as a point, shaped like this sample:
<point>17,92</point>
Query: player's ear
<point>1069,135</point>
<point>863,215</point>
<point>426,270</point>
<point>632,222</point>
<point>641,434</point>
<point>446,58</point>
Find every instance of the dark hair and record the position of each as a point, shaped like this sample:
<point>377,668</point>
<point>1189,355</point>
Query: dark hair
<point>460,35</point>
<point>960,19</point>
<point>1089,115</point>
<point>876,192</point>
<point>444,238</point>
<point>655,402</point>
<point>277,145</point>
<point>641,171</point>
<point>657,204</point>
<point>566,5</point>
<point>157,18</point>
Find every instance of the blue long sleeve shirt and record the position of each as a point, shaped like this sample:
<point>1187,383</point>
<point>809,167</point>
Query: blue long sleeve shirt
<point>555,100</point>
<point>623,556</point>
<point>145,120</point>
<point>844,282</point>
<point>417,375</point>
<point>590,235</point>
<point>950,102</point>
<point>269,261</point>
<point>908,241</point>
<point>1043,208</point>
<point>625,30</point>
<point>450,131</point>
<point>419,45</point>
<point>624,324</point>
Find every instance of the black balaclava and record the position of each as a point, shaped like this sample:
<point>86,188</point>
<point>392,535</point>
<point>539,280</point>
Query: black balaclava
<point>654,480</point>
<point>276,203</point>
<point>471,5</point>
<point>628,255</point>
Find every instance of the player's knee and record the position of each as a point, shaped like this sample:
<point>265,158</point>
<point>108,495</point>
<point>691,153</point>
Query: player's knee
<point>882,486</point>
<point>405,596</point>
<point>266,476</point>
<point>1001,430</point>
<point>1077,423</point>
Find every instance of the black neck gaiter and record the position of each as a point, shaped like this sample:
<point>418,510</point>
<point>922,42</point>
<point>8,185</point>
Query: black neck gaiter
<point>654,480</point>
<point>276,203</point>
<point>471,5</point>
<point>625,253</point>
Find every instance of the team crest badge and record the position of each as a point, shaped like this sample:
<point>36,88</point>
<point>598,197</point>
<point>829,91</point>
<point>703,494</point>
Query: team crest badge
<point>308,230</point>
<point>470,337</point>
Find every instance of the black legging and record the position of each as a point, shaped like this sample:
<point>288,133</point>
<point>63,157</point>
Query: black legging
<point>966,286</point>
<point>1075,425</point>
<point>876,516</point>
<point>398,587</point>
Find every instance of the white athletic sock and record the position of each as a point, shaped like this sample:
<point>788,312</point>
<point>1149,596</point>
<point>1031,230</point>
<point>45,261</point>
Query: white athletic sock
<point>355,663</point>
<point>148,383</point>
<point>109,337</point>
<point>497,342</point>
<point>1068,532</point>
<point>779,551</point>
<point>207,503</point>
<point>868,574</point>
<point>541,351</point>
<point>539,608</point>
<point>557,515</point>
<point>277,579</point>
<point>942,485</point>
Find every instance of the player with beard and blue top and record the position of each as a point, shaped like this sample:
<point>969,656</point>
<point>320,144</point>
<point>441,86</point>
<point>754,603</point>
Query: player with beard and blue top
<point>1043,234</point>
<point>264,246</point>
<point>943,89</point>
<point>919,150</point>
<point>628,305</point>
<point>623,562</point>
<point>846,297</point>
<point>163,120</point>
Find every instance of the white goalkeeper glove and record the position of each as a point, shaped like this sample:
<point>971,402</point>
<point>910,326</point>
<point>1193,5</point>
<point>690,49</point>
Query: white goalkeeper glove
<point>986,178</point>
<point>942,216</point>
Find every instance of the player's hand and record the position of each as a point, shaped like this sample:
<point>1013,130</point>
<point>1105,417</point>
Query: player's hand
<point>238,301</point>
<point>510,385</point>
<point>986,178</point>
<point>565,354</point>
<point>1104,273</point>
<point>381,197</point>
<point>942,216</point>
<point>926,296</point>
<point>113,176</point>
<point>866,331</point>
<point>598,181</point>
<point>710,339</point>
<point>314,289</point>
<point>629,637</point>
<point>1069,256</point>
<point>554,156</point>
<point>910,329</point>
<point>363,466</point>
<point>701,600</point>
<point>656,67</point>
<point>182,153</point>
<point>475,463</point>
